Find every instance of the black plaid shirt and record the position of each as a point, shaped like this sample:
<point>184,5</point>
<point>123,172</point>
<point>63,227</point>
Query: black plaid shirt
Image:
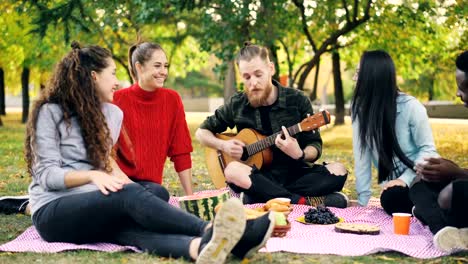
<point>291,108</point>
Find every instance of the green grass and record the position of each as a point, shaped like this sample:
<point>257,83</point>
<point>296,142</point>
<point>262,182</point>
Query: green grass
<point>450,141</point>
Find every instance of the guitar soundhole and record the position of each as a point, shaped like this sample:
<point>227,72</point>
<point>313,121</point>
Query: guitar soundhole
<point>245,155</point>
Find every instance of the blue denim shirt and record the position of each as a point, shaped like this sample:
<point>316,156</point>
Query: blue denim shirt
<point>414,135</point>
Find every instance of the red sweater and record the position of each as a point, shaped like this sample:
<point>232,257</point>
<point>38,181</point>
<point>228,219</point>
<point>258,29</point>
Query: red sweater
<point>154,128</point>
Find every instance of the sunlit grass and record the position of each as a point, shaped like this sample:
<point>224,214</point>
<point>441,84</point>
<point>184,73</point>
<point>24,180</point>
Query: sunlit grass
<point>451,141</point>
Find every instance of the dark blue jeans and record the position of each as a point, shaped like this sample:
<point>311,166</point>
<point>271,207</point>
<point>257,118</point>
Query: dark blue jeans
<point>138,215</point>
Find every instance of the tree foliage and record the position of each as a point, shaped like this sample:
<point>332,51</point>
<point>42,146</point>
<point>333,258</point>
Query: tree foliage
<point>116,26</point>
<point>423,37</point>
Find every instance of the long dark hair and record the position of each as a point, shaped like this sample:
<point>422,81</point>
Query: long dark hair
<point>374,105</point>
<point>72,87</point>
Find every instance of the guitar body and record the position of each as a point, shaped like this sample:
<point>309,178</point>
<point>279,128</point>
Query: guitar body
<point>215,158</point>
<point>257,147</point>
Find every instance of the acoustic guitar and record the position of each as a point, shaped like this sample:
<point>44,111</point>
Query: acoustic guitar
<point>257,147</point>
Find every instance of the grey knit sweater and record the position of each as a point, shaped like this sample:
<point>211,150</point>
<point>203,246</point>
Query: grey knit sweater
<point>58,150</point>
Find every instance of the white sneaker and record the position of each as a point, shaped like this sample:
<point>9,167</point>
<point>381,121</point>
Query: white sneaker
<point>451,239</point>
<point>228,227</point>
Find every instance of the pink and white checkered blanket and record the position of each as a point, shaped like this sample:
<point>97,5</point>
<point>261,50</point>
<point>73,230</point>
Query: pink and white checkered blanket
<point>30,241</point>
<point>322,239</point>
<point>310,239</point>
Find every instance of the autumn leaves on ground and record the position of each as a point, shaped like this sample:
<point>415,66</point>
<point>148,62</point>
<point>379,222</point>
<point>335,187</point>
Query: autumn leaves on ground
<point>450,137</point>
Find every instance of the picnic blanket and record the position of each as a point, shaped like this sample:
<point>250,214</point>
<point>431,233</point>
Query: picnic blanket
<point>30,241</point>
<point>323,239</point>
<point>307,239</point>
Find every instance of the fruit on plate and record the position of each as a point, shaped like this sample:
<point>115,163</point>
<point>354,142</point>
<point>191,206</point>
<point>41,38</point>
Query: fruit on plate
<point>203,204</point>
<point>320,215</point>
<point>280,219</point>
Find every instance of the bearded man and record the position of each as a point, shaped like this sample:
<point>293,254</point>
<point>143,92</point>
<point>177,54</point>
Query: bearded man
<point>267,107</point>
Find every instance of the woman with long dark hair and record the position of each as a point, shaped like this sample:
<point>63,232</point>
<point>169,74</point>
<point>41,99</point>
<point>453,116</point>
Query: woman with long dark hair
<point>390,130</point>
<point>79,195</point>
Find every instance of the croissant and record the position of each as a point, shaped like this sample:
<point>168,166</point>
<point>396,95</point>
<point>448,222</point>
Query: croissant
<point>249,213</point>
<point>279,207</point>
<point>252,213</point>
<point>285,203</point>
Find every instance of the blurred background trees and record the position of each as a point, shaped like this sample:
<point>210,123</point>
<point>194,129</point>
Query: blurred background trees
<point>315,45</point>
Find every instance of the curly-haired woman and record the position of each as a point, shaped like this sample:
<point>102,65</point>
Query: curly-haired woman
<point>76,194</point>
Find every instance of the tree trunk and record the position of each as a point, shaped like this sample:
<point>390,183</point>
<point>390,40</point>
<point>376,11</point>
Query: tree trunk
<point>1,123</point>
<point>25,93</point>
<point>274,56</point>
<point>305,73</point>
<point>339,97</point>
<point>2,92</point>
<point>229,81</point>
<point>313,94</point>
<point>290,64</point>
<point>122,62</point>
<point>431,87</point>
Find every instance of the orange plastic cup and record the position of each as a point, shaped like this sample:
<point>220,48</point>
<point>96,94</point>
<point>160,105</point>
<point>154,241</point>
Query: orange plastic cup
<point>401,223</point>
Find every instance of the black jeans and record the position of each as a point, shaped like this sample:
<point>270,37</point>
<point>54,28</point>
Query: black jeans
<point>424,196</point>
<point>292,183</point>
<point>138,215</point>
<point>396,200</point>
<point>460,203</point>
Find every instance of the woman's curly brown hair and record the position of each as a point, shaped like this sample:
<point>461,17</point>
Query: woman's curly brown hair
<point>72,88</point>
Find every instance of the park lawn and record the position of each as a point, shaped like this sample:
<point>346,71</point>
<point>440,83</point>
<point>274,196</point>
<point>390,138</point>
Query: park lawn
<point>449,137</point>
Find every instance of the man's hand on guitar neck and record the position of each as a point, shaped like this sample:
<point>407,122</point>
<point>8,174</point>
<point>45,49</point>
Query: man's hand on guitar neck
<point>233,147</point>
<point>288,144</point>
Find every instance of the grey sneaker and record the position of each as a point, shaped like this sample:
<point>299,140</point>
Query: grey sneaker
<point>228,227</point>
<point>451,239</point>
<point>13,204</point>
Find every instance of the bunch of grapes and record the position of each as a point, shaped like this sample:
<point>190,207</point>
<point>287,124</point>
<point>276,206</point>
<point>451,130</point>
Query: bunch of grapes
<point>320,215</point>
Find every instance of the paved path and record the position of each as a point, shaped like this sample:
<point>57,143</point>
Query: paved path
<point>203,115</point>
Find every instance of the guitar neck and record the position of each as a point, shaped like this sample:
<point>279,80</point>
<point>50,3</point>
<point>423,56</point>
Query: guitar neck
<point>270,140</point>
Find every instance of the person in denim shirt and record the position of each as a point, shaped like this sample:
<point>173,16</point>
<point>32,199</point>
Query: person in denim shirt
<point>396,133</point>
<point>268,108</point>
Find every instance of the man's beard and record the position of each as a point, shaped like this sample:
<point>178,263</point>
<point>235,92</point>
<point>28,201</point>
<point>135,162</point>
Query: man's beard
<point>259,100</point>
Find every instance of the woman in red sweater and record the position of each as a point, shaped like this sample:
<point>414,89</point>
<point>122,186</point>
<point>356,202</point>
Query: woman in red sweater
<point>154,125</point>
